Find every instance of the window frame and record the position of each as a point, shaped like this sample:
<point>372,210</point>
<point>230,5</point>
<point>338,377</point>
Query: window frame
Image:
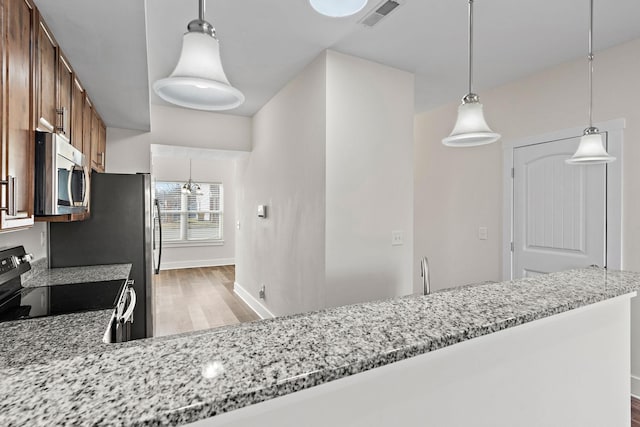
<point>184,213</point>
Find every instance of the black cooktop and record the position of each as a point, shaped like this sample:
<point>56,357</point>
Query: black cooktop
<point>60,299</point>
<point>17,302</point>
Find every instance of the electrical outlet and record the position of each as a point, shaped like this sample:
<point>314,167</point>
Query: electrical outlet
<point>43,239</point>
<point>262,292</point>
<point>238,225</point>
<point>397,238</point>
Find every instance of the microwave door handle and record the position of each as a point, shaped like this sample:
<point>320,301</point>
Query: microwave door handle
<point>132,305</point>
<point>85,192</point>
<point>69,180</point>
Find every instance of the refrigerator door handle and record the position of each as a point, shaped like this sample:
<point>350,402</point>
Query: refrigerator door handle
<point>159,243</point>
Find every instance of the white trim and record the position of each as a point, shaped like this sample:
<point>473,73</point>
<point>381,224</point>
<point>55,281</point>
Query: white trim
<point>259,308</point>
<point>615,139</point>
<point>175,265</point>
<point>635,386</point>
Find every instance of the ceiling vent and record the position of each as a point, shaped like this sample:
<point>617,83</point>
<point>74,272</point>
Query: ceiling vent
<point>383,10</point>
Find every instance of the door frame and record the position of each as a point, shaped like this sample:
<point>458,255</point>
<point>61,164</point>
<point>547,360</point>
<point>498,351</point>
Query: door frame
<point>615,138</point>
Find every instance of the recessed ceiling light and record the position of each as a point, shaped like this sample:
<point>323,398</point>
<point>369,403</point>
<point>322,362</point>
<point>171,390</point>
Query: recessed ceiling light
<point>338,8</point>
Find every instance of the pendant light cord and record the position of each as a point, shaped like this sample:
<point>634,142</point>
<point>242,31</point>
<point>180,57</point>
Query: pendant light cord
<point>201,10</point>
<point>471,45</point>
<point>590,63</point>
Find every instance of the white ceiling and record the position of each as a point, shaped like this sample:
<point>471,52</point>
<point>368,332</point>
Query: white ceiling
<point>265,43</point>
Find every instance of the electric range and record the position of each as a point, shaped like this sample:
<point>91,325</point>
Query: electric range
<point>18,302</point>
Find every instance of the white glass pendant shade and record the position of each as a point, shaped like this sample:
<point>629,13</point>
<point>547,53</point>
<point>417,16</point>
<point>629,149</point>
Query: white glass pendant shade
<point>591,151</point>
<point>471,128</point>
<point>338,8</point>
<point>199,81</point>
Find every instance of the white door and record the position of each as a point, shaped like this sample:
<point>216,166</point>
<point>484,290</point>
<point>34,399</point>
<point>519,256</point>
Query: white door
<point>559,212</point>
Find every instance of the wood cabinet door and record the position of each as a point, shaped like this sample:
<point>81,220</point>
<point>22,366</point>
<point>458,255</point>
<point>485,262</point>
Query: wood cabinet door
<point>18,144</point>
<point>77,111</point>
<point>102,145</point>
<point>96,162</point>
<point>64,92</point>
<point>87,115</point>
<point>46,70</point>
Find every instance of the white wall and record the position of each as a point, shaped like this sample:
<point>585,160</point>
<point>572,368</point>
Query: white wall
<point>203,170</point>
<point>332,160</point>
<point>369,156</point>
<point>129,151</point>
<point>458,190</point>
<point>29,238</point>
<point>286,172</point>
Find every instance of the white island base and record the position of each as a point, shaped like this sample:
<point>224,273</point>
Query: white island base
<point>571,369</point>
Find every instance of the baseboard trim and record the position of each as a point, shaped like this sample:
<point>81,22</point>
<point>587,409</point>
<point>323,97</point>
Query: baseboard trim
<point>174,265</point>
<point>253,303</point>
<point>635,386</point>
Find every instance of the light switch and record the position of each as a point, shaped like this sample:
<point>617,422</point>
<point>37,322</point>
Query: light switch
<point>262,211</point>
<point>397,238</point>
<point>483,233</point>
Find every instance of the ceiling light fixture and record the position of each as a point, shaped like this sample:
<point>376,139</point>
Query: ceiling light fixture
<point>198,81</point>
<point>191,187</point>
<point>591,149</point>
<point>471,128</point>
<point>338,8</point>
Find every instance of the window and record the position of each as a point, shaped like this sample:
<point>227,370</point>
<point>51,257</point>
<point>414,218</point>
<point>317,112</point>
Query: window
<point>190,217</point>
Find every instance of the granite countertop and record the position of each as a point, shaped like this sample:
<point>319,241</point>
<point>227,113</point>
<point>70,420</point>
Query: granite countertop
<point>41,275</point>
<point>188,378</point>
<point>43,340</point>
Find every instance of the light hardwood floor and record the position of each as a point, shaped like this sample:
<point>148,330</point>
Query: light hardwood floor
<point>635,412</point>
<point>197,298</point>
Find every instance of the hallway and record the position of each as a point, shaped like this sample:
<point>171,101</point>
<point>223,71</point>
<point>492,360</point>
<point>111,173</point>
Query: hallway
<point>197,298</point>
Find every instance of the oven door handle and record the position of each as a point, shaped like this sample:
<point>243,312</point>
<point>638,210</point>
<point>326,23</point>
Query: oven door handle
<point>132,305</point>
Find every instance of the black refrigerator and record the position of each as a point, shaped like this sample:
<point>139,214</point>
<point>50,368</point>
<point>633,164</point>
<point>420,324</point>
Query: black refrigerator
<point>122,228</point>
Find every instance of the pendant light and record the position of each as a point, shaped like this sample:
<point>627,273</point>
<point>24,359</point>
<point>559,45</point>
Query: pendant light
<point>591,149</point>
<point>191,187</point>
<point>471,128</point>
<point>338,8</point>
<point>198,81</point>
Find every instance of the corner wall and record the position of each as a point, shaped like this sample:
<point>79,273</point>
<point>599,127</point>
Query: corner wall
<point>286,172</point>
<point>369,179</point>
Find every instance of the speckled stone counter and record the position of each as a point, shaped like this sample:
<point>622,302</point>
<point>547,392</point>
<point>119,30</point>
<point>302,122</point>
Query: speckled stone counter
<point>46,339</point>
<point>41,275</point>
<point>162,383</point>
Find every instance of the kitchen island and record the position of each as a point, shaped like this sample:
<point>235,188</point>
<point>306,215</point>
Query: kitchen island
<point>547,350</point>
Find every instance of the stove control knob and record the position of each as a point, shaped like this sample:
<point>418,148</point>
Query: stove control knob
<point>26,258</point>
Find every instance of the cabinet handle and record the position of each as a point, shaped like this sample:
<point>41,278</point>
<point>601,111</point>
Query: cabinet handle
<point>101,159</point>
<point>63,120</point>
<point>12,184</point>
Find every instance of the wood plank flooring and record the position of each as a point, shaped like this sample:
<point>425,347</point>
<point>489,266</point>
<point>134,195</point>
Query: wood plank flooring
<point>197,298</point>
<point>635,412</point>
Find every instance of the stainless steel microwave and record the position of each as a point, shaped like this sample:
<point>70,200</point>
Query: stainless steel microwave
<point>61,176</point>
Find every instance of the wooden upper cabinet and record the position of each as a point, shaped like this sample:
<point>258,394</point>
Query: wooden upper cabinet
<point>96,160</point>
<point>77,110</point>
<point>18,145</point>
<point>64,92</point>
<point>102,144</point>
<point>46,72</point>
<point>87,116</point>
